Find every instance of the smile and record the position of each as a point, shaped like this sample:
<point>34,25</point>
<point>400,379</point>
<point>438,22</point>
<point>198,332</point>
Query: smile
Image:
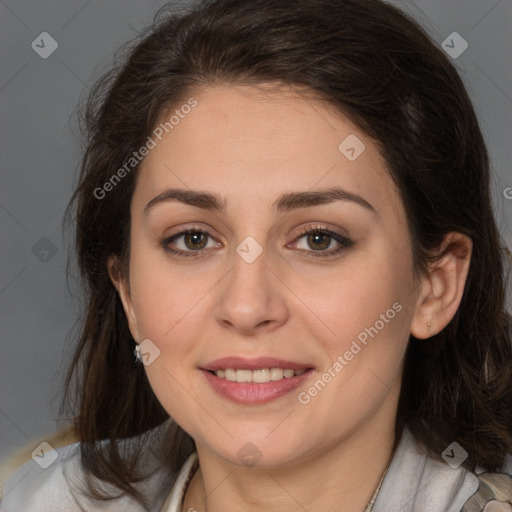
<point>255,386</point>
<point>261,375</point>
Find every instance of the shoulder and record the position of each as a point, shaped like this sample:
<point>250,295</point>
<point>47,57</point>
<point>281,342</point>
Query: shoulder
<point>56,483</point>
<point>417,482</point>
<point>494,489</point>
<point>40,484</point>
<point>15,459</point>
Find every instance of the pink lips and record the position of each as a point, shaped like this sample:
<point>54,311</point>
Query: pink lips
<point>251,392</point>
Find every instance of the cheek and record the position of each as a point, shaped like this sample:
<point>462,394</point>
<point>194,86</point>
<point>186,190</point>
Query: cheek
<point>363,348</point>
<point>362,316</point>
<point>356,298</point>
<point>164,298</point>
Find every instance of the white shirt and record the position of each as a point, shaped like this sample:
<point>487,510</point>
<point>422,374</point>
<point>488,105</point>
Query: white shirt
<point>414,482</point>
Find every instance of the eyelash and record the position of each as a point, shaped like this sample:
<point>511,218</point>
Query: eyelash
<point>344,242</point>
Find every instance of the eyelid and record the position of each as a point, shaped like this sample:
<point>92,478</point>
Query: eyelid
<point>324,228</point>
<point>194,227</point>
<point>343,241</point>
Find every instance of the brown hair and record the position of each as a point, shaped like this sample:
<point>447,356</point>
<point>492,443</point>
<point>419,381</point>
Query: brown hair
<point>377,66</point>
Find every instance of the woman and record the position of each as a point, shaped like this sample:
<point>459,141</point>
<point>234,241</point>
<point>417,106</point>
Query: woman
<point>285,208</point>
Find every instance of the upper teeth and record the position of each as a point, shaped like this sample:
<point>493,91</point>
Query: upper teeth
<point>261,375</point>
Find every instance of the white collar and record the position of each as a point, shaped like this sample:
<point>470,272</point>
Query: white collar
<point>174,501</point>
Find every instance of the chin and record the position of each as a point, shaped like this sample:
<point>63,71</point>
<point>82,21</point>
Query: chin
<point>261,453</point>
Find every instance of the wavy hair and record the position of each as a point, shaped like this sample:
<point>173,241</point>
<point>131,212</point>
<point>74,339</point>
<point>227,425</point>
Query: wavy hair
<point>377,66</point>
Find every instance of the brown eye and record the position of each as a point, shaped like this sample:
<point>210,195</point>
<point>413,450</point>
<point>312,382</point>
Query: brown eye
<point>195,240</point>
<point>190,242</point>
<point>319,241</point>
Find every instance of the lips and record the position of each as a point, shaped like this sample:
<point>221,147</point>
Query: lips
<point>288,375</point>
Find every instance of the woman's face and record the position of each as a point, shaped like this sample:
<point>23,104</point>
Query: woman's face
<point>250,291</point>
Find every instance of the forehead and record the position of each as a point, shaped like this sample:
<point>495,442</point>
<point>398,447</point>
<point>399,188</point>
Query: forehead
<point>250,144</point>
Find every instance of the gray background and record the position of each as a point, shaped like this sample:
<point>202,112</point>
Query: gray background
<point>40,149</point>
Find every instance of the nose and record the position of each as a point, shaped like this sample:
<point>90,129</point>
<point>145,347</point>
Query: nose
<point>252,298</point>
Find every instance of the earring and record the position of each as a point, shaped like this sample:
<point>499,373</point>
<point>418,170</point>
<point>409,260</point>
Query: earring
<point>138,353</point>
<point>428,325</point>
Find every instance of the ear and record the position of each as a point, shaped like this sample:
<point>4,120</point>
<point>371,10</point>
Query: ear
<point>441,290</point>
<point>120,281</point>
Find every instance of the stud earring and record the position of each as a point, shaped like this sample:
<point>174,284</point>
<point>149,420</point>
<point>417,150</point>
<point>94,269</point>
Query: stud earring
<point>428,325</point>
<point>138,353</point>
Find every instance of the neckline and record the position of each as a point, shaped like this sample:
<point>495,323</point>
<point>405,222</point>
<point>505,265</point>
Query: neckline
<point>373,499</point>
<point>174,500</point>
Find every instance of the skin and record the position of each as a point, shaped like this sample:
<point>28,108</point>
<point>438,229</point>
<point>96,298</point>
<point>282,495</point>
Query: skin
<point>250,145</point>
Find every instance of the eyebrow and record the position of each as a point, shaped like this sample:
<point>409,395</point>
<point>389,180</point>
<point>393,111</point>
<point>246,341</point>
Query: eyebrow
<point>286,202</point>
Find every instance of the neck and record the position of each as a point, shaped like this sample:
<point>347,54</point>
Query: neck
<point>343,477</point>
